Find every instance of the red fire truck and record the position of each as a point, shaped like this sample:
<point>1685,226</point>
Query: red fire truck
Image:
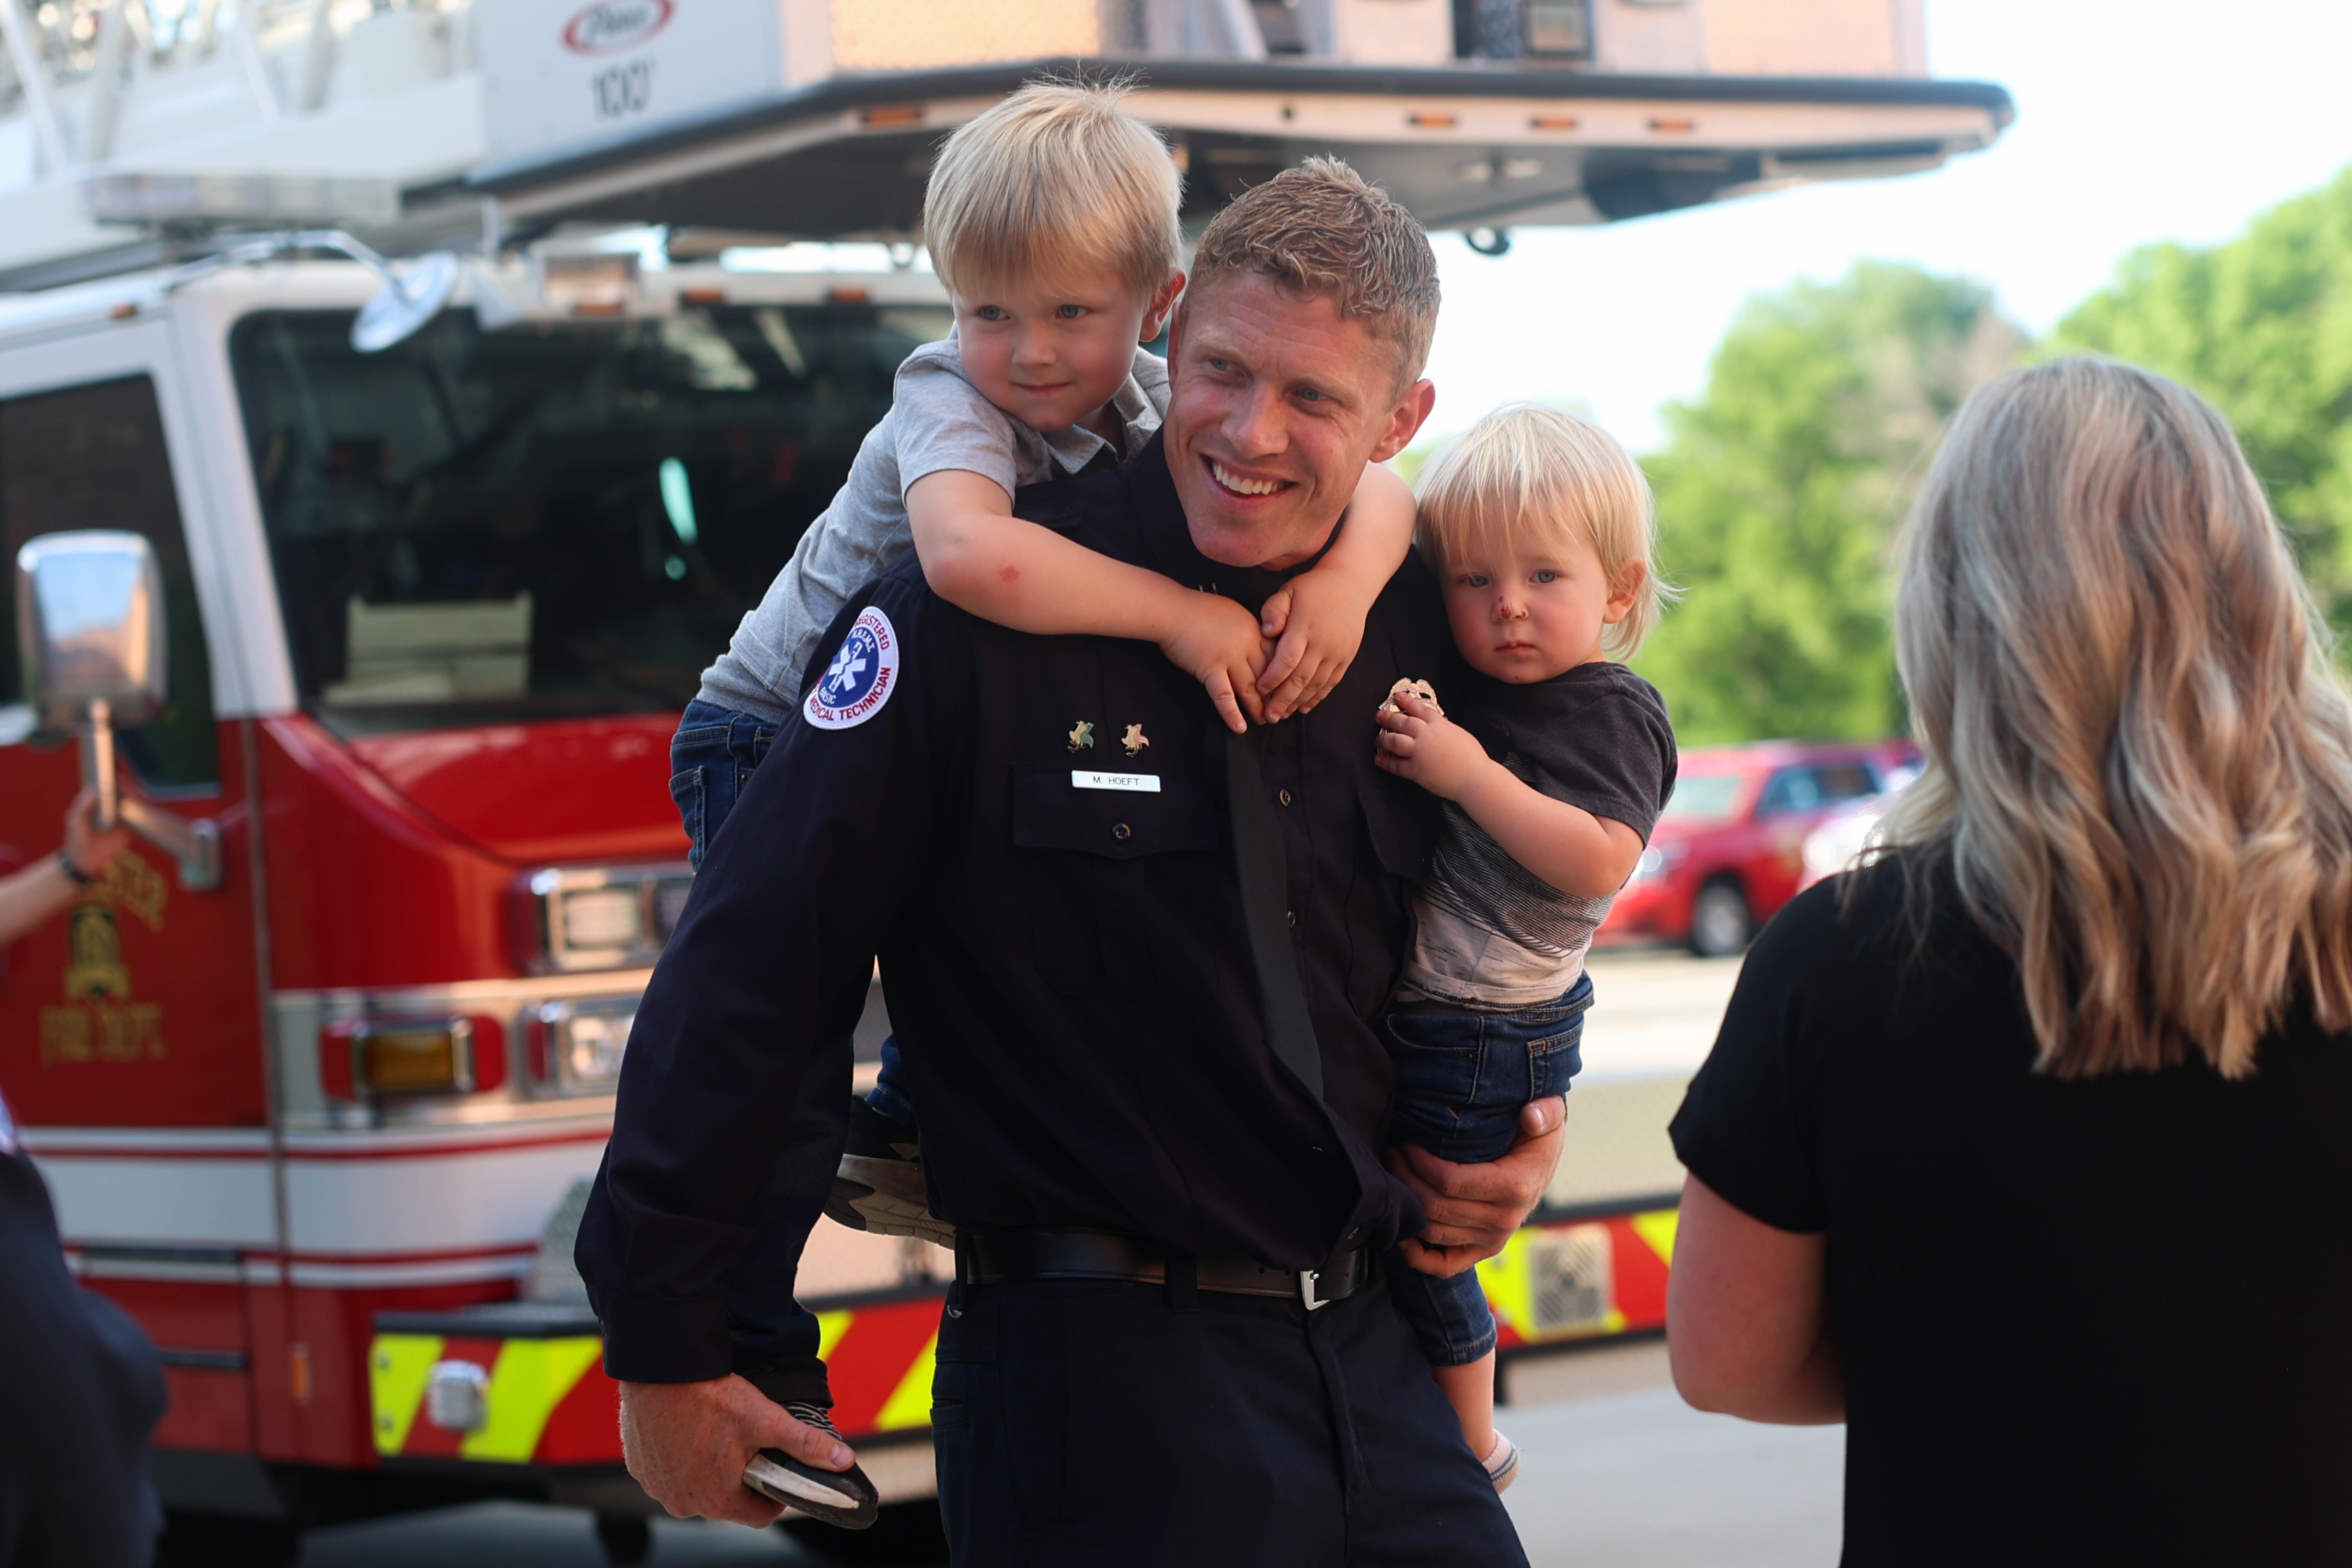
<point>429,613</point>
<point>317,1076</point>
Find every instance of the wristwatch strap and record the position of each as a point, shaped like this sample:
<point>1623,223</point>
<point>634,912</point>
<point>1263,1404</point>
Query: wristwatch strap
<point>1259,862</point>
<point>74,873</point>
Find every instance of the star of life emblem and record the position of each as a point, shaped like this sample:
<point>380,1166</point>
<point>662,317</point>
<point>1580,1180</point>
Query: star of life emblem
<point>861,677</point>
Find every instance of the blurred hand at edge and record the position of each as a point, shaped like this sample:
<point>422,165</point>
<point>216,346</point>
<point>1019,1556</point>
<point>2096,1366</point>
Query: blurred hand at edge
<point>90,849</point>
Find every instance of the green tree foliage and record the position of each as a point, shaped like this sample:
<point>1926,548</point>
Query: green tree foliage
<point>1780,490</point>
<point>2261,325</point>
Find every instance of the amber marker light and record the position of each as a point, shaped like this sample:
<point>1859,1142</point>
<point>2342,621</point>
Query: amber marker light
<point>1551,121</point>
<point>411,1061</point>
<point>1426,121</point>
<point>370,1058</point>
<point>892,114</point>
<point>1681,124</point>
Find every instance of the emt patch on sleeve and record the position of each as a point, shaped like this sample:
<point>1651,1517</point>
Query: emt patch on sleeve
<point>861,677</point>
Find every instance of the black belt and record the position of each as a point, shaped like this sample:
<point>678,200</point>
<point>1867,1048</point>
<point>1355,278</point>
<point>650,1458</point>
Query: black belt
<point>1017,1257</point>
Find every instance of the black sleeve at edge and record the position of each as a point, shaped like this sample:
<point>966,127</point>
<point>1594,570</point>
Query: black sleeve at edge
<point>1747,1124</point>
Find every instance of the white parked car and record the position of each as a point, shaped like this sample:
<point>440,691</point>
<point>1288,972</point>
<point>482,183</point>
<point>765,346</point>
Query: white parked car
<point>1839,841</point>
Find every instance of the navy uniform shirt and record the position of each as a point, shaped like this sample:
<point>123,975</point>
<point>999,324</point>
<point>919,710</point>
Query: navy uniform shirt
<point>1067,968</point>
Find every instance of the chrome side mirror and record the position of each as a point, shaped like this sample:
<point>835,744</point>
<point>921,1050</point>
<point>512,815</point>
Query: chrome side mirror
<point>89,612</point>
<point>405,303</point>
<point>410,297</point>
<point>90,623</point>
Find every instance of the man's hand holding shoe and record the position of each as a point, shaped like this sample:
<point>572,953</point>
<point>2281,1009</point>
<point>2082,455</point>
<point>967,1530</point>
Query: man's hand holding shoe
<point>688,1445</point>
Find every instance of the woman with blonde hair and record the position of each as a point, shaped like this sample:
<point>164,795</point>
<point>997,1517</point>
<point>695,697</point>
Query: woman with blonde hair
<point>2024,1147</point>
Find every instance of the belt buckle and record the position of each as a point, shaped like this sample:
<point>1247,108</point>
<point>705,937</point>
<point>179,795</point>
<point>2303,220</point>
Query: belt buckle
<point>1308,1279</point>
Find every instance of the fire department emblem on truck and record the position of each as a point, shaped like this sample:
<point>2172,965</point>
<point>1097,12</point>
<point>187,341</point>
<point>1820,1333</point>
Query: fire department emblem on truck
<point>99,1022</point>
<point>861,677</point>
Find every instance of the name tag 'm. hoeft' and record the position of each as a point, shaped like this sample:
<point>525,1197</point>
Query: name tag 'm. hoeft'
<point>1142,783</point>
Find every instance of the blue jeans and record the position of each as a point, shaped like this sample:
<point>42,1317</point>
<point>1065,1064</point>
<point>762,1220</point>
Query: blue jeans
<point>1462,1078</point>
<point>711,758</point>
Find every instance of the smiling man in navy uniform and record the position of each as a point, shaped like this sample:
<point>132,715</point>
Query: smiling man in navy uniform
<point>1133,964</point>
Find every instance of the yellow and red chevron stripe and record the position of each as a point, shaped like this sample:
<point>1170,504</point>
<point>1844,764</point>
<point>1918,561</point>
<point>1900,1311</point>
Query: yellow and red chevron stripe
<point>548,1401</point>
<point>879,1360</point>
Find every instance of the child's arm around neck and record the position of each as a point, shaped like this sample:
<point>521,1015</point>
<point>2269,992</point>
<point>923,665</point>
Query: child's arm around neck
<point>980,557</point>
<point>1319,617</point>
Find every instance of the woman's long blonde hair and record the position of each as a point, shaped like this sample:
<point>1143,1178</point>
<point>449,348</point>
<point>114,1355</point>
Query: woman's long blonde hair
<point>2139,754</point>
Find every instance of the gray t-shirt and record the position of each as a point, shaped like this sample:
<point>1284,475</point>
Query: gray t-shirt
<point>938,421</point>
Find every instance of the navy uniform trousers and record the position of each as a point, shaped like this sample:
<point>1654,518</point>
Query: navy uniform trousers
<point>1084,1421</point>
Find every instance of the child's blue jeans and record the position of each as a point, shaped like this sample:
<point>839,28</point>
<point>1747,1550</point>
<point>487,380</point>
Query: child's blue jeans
<point>711,758</point>
<point>1462,1078</point>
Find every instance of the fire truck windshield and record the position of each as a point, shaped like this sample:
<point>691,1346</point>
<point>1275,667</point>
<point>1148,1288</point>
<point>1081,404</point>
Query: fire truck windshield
<point>552,519</point>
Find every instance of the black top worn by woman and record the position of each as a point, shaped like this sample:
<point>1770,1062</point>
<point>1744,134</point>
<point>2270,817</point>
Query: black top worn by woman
<point>2106,1320</point>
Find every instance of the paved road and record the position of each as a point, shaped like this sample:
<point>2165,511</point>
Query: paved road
<point>1655,1012</point>
<point>1619,1473</point>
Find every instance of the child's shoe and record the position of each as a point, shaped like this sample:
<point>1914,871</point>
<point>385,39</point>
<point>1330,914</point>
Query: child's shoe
<point>1502,1463</point>
<point>845,1497</point>
<point>879,1185</point>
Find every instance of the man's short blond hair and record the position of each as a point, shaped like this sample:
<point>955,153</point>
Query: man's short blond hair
<point>1321,228</point>
<point>1056,180</point>
<point>1526,475</point>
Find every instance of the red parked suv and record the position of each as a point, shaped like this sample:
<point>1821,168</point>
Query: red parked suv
<point>1729,849</point>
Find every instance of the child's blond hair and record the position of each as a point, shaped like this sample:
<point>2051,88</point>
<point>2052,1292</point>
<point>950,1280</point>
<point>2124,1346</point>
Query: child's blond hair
<point>1527,473</point>
<point>1055,180</point>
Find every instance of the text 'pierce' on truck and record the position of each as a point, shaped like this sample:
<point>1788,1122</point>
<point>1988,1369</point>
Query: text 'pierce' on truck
<point>438,545</point>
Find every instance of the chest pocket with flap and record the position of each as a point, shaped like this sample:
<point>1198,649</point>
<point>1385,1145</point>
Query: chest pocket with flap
<point>1096,883</point>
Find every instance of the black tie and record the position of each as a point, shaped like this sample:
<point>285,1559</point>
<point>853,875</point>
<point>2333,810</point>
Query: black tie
<point>1258,862</point>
